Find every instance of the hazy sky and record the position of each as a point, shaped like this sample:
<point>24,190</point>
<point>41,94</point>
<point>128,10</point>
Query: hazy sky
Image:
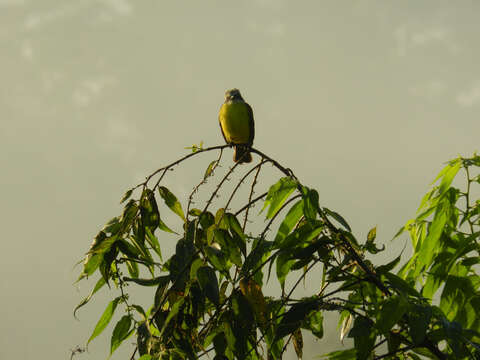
<point>364,100</point>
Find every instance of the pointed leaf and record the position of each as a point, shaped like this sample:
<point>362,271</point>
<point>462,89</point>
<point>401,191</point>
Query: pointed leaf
<point>314,323</point>
<point>171,201</point>
<point>162,226</point>
<point>146,357</point>
<point>97,287</point>
<point>390,313</point>
<point>418,321</point>
<point>120,332</point>
<point>349,354</point>
<point>338,218</point>
<point>449,173</point>
<point>104,319</point>
<point>363,337</point>
<point>294,317</point>
<point>259,249</point>
<point>346,326</point>
<point>153,241</point>
<point>209,284</point>
<point>172,313</point>
<point>311,207</point>
<point>298,343</point>
<point>284,264</point>
<point>211,167</point>
<point>277,194</point>
<point>126,196</point>
<point>291,219</point>
<point>148,282</point>
<point>253,293</point>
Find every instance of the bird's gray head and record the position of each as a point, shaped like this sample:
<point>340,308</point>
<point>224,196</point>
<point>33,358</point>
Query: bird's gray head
<point>233,95</point>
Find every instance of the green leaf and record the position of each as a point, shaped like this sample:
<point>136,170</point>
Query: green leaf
<point>228,246</point>
<point>314,323</point>
<point>401,285</point>
<point>129,214</point>
<point>104,246</point>
<point>372,234</point>
<point>242,309</point>
<point>284,264</point>
<point>260,250</point>
<point>148,282</point>
<point>196,264</point>
<point>302,236</point>
<point>211,167</point>
<point>311,207</point>
<point>418,320</point>
<point>390,313</point>
<point>143,337</point>
<point>277,194</point>
<point>206,219</point>
<point>139,245</point>
<point>298,343</point>
<point>209,284</point>
<point>390,266</point>
<point>162,226</point>
<point>217,259</point>
<point>104,319</point>
<point>113,226</point>
<point>153,241</point>
<point>236,231</point>
<point>394,340</point>
<point>160,292</point>
<point>172,313</point>
<point>128,249</point>
<point>430,244</point>
<point>140,311</point>
<point>349,354</point>
<point>126,196</point>
<point>149,209</point>
<point>97,287</point>
<point>294,317</point>
<point>449,173</point>
<point>92,261</point>
<point>132,268</point>
<point>146,357</point>
<point>195,212</point>
<point>338,218</point>
<point>291,219</point>
<point>363,337</point>
<point>171,201</point>
<point>120,332</point>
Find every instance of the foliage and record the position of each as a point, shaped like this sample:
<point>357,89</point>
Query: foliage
<point>208,296</point>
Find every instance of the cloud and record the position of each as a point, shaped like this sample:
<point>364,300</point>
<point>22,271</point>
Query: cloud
<point>121,7</point>
<point>37,19</point>
<point>407,38</point>
<point>469,97</point>
<point>120,137</point>
<point>89,90</point>
<point>274,29</point>
<point>26,50</point>
<point>431,90</point>
<point>6,3</point>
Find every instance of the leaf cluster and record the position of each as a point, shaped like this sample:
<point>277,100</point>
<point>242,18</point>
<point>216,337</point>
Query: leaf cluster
<point>209,295</point>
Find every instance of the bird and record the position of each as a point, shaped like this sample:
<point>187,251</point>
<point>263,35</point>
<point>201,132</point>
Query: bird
<point>237,125</point>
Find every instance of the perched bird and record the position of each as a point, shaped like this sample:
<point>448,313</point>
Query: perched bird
<point>236,123</point>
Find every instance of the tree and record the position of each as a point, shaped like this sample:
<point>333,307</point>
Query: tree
<point>209,297</point>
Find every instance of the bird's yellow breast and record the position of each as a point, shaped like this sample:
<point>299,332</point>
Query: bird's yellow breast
<point>235,122</point>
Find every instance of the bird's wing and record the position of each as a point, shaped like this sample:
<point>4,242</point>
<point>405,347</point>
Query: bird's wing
<point>251,123</point>
<point>220,123</point>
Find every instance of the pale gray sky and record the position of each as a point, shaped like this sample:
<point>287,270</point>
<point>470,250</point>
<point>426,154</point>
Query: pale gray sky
<point>364,100</point>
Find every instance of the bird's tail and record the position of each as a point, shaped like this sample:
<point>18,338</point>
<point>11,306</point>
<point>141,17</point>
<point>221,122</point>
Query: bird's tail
<point>241,154</point>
